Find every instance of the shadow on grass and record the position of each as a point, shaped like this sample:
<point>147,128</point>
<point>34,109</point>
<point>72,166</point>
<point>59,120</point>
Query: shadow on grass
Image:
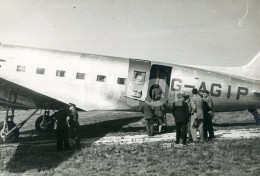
<point>36,157</point>
<point>38,152</point>
<point>165,129</point>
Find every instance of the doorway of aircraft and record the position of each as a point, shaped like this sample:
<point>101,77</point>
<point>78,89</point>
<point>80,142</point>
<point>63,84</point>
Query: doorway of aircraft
<point>160,77</point>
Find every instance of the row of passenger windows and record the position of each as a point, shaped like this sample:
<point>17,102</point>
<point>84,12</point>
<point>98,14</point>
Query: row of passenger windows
<point>61,73</point>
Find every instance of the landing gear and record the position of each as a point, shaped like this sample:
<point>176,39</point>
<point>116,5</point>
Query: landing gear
<point>44,122</point>
<point>256,115</point>
<point>5,127</point>
<point>9,131</point>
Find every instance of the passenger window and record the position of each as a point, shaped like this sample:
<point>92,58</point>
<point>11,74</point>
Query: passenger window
<point>139,76</point>
<point>121,81</point>
<point>40,71</point>
<point>20,68</point>
<point>80,76</point>
<point>101,78</point>
<point>60,73</point>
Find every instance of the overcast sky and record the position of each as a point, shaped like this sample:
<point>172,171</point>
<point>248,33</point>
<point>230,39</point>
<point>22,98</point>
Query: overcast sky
<point>206,32</point>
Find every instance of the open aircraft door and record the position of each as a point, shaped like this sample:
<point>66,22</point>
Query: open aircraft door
<point>138,79</point>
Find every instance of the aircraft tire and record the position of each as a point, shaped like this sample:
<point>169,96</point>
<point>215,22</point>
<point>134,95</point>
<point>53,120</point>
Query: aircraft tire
<point>14,136</point>
<point>39,127</point>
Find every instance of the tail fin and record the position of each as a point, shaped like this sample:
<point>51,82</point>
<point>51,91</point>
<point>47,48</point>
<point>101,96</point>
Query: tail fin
<point>252,69</point>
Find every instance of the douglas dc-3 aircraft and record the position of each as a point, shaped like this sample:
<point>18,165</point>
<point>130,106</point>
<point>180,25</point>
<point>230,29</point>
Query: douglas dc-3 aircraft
<point>48,80</point>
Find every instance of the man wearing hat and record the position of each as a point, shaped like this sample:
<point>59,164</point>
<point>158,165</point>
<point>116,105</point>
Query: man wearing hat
<point>60,118</point>
<point>148,116</point>
<point>187,100</point>
<point>197,115</point>
<point>74,124</point>
<point>208,115</point>
<point>156,93</point>
<point>180,113</point>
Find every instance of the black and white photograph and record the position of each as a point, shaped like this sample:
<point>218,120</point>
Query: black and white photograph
<point>130,87</point>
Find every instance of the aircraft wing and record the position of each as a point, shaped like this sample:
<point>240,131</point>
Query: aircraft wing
<point>18,97</point>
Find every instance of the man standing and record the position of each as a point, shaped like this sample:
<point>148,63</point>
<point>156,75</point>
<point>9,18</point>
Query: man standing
<point>157,93</point>
<point>62,129</point>
<point>208,115</point>
<point>187,100</point>
<point>74,124</point>
<point>180,112</point>
<point>197,114</point>
<point>148,116</point>
<point>159,112</point>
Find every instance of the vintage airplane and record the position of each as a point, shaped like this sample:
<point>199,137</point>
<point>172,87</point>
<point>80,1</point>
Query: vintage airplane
<point>44,79</point>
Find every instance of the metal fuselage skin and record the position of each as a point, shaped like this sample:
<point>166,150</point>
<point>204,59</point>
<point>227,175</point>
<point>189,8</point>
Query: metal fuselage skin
<point>95,82</point>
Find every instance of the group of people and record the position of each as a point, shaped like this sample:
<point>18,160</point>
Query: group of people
<point>63,125</point>
<point>153,111</point>
<point>191,114</point>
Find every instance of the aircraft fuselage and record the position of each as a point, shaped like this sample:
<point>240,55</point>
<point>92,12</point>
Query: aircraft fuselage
<point>95,82</point>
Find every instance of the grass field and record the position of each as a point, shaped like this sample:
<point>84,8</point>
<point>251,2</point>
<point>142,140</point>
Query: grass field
<point>36,155</point>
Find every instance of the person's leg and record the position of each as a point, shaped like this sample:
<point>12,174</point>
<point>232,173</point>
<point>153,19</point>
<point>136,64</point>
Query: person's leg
<point>160,120</point>
<point>210,128</point>
<point>77,138</point>
<point>66,139</point>
<point>184,133</point>
<point>193,130</point>
<point>178,132</point>
<point>205,127</point>
<point>147,126</point>
<point>201,131</point>
<point>160,128</point>
<point>59,140</point>
<point>151,127</point>
<point>189,132</point>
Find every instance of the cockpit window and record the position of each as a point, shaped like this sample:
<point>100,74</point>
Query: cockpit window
<point>60,73</point>
<point>139,76</point>
<point>40,71</point>
<point>20,68</point>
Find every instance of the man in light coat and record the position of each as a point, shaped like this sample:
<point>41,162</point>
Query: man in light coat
<point>197,114</point>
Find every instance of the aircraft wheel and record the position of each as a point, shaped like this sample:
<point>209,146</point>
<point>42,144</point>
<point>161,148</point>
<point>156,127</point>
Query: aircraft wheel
<point>43,126</point>
<point>14,136</point>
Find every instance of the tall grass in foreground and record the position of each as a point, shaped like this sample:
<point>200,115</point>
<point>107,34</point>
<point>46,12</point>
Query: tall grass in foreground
<point>223,157</point>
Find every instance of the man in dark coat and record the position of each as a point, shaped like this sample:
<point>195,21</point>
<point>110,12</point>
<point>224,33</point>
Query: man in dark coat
<point>74,124</point>
<point>187,100</point>
<point>180,112</point>
<point>62,129</point>
<point>208,116</point>
<point>148,116</point>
